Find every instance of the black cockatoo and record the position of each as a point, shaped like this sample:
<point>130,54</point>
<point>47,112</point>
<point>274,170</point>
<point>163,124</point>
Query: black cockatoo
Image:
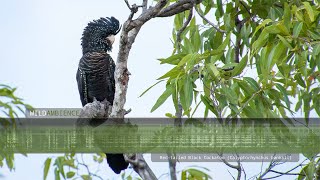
<point>95,75</point>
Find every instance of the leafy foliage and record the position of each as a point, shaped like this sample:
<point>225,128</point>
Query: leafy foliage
<point>10,104</point>
<point>195,173</point>
<point>256,58</point>
<point>71,166</point>
<point>253,58</point>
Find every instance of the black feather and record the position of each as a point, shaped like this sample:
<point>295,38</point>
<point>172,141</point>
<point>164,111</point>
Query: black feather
<point>94,35</point>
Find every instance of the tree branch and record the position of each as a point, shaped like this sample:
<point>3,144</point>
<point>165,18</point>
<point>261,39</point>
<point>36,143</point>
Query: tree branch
<point>144,6</point>
<point>236,167</point>
<point>271,165</point>
<point>185,24</point>
<point>178,7</point>
<point>129,32</point>
<point>177,120</point>
<point>172,166</point>
<point>140,166</point>
<point>145,16</point>
<point>283,173</point>
<point>95,110</point>
<point>209,22</point>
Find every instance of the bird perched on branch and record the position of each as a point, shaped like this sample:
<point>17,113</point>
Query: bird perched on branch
<point>95,75</point>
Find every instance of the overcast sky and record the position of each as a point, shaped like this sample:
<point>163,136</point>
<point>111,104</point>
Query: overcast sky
<point>40,50</point>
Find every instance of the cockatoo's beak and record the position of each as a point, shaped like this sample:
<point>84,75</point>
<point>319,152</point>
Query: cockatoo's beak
<point>111,39</point>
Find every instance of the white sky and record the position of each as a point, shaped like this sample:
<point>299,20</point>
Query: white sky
<point>39,53</point>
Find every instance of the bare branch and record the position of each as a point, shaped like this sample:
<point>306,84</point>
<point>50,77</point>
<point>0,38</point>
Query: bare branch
<point>244,172</point>
<point>177,121</point>
<point>238,40</point>
<point>285,173</point>
<point>271,165</point>
<point>172,166</point>
<point>87,168</point>
<point>178,7</point>
<point>134,9</point>
<point>185,24</point>
<point>209,22</point>
<point>127,3</point>
<point>144,6</point>
<point>236,167</point>
<point>140,166</point>
<point>146,16</point>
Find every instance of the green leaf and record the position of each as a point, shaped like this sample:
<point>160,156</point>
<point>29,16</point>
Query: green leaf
<point>250,112</point>
<point>316,104</point>
<point>178,20</point>
<point>9,160</point>
<point>188,46</point>
<point>70,174</point>
<point>299,80</point>
<point>262,39</point>
<point>150,88</point>
<point>86,177</point>
<point>298,105</point>
<point>230,56</point>
<point>6,92</point>
<point>248,90</point>
<point>309,10</point>
<point>225,43</point>
<point>169,115</point>
<point>229,65</point>
<point>187,58</point>
<point>207,54</point>
<point>316,49</point>
<point>297,29</point>
<point>208,7</point>
<point>47,164</point>
<point>252,83</point>
<point>56,174</point>
<point>174,59</point>
<point>59,163</point>
<point>188,92</point>
<point>196,40</point>
<point>213,70</point>
<point>283,29</point>
<point>230,94</point>
<point>220,8</point>
<point>284,41</point>
<point>167,93</point>
<point>284,93</point>
<point>314,35</point>
<point>274,56</point>
<point>216,41</point>
<point>184,175</point>
<point>263,24</point>
<point>197,174</point>
<point>174,72</point>
<point>239,68</point>
<point>287,16</point>
<point>207,102</point>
